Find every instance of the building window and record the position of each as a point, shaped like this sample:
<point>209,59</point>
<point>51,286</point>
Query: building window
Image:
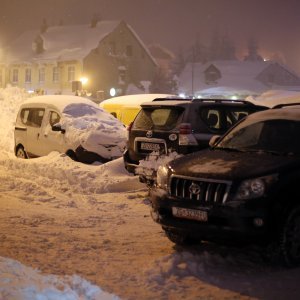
<point>129,51</point>
<point>42,75</point>
<point>55,74</point>
<point>15,76</point>
<point>112,48</point>
<point>27,75</point>
<point>1,77</point>
<point>71,73</point>
<point>122,74</point>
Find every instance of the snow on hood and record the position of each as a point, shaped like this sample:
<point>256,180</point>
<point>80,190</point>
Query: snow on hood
<point>93,128</point>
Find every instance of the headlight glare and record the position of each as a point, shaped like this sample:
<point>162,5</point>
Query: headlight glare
<point>162,177</point>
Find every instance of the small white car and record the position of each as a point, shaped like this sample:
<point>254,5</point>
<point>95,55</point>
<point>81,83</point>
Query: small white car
<point>68,124</point>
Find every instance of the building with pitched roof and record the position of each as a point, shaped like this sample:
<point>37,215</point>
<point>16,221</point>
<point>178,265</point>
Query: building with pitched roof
<point>63,59</point>
<point>235,78</point>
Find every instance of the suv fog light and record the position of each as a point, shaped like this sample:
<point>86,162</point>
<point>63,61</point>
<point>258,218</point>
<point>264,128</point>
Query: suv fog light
<point>258,222</point>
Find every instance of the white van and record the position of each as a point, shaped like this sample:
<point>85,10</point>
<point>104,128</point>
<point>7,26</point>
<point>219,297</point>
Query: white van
<point>68,124</point>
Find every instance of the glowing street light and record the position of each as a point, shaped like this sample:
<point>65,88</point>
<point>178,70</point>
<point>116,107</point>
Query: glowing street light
<point>112,92</point>
<point>84,80</point>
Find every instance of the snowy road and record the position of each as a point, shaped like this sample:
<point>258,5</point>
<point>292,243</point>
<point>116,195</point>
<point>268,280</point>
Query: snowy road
<point>65,218</point>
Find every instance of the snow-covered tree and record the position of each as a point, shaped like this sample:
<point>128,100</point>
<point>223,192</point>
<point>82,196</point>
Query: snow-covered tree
<point>252,51</point>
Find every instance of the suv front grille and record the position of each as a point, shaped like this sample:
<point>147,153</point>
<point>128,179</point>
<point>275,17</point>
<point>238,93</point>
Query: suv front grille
<point>205,191</point>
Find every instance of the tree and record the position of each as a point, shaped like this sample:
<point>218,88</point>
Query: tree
<point>163,83</point>
<point>252,51</point>
<point>179,62</point>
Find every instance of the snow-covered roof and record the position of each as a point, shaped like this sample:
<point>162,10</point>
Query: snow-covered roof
<point>60,42</point>
<point>59,101</point>
<point>236,77</point>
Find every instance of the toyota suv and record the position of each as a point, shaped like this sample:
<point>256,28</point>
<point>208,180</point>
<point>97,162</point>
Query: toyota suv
<point>244,188</point>
<point>180,126</point>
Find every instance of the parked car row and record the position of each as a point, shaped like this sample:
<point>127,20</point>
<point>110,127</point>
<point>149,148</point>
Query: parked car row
<point>236,179</point>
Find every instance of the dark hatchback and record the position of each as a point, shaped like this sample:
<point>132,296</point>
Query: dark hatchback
<point>180,125</point>
<point>245,188</point>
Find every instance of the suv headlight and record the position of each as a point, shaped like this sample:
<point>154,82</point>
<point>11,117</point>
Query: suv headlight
<point>254,188</point>
<point>162,177</point>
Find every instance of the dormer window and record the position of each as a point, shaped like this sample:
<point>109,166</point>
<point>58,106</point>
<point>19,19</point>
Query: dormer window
<point>212,74</point>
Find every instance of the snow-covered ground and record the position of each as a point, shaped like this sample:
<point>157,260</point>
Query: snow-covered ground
<point>75,231</point>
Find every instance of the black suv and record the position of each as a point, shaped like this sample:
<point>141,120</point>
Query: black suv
<point>180,125</point>
<point>244,188</point>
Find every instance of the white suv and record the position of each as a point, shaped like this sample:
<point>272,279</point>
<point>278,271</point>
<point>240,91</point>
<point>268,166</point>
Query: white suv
<point>68,124</point>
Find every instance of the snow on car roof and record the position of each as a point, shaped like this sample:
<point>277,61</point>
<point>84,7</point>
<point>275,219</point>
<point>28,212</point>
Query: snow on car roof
<point>271,98</point>
<point>59,101</point>
<point>285,113</point>
<point>134,100</point>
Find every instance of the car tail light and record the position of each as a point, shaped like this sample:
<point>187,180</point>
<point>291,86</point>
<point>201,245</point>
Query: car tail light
<point>185,128</point>
<point>186,137</point>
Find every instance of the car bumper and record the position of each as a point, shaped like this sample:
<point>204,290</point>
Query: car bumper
<point>223,222</point>
<point>129,164</point>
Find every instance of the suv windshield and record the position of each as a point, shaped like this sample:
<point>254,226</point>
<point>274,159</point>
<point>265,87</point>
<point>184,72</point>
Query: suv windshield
<point>165,118</point>
<point>275,136</point>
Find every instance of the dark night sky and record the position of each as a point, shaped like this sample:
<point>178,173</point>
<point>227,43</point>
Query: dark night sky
<point>275,24</point>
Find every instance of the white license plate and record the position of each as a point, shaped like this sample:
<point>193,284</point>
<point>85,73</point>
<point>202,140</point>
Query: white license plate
<point>150,146</point>
<point>192,214</point>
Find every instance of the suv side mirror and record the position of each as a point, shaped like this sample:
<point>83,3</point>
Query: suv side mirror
<point>214,139</point>
<point>57,127</point>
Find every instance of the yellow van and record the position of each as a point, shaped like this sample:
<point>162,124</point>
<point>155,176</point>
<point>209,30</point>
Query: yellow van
<point>125,108</point>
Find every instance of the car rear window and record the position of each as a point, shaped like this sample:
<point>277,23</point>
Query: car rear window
<point>157,118</point>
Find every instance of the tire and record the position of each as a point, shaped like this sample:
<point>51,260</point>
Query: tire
<point>72,155</point>
<point>178,237</point>
<point>20,153</point>
<point>290,238</point>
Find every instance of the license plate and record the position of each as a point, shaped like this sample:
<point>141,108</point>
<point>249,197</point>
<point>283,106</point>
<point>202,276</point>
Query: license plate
<point>192,214</point>
<point>150,146</point>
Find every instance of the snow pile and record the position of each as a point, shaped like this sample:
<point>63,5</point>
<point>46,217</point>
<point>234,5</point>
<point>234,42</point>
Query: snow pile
<point>93,128</point>
<point>10,100</point>
<point>149,166</point>
<point>68,176</point>
<point>16,282</point>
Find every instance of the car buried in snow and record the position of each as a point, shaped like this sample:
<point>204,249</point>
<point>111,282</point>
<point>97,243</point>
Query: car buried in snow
<point>68,124</point>
<point>244,188</point>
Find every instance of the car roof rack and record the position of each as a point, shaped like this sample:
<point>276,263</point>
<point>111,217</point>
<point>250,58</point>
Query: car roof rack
<point>285,105</point>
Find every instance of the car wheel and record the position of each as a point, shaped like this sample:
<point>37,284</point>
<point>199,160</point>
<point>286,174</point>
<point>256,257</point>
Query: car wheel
<point>290,238</point>
<point>178,237</point>
<point>72,155</point>
<point>20,153</point>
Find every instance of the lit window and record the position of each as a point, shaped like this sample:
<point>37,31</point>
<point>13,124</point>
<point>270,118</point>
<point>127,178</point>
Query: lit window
<point>15,76</point>
<point>55,74</point>
<point>71,73</point>
<point>27,75</point>
<point>42,75</point>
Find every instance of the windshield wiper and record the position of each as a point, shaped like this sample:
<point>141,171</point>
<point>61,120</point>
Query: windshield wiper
<point>229,149</point>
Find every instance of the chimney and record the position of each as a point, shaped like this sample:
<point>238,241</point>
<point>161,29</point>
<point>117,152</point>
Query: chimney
<point>95,19</point>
